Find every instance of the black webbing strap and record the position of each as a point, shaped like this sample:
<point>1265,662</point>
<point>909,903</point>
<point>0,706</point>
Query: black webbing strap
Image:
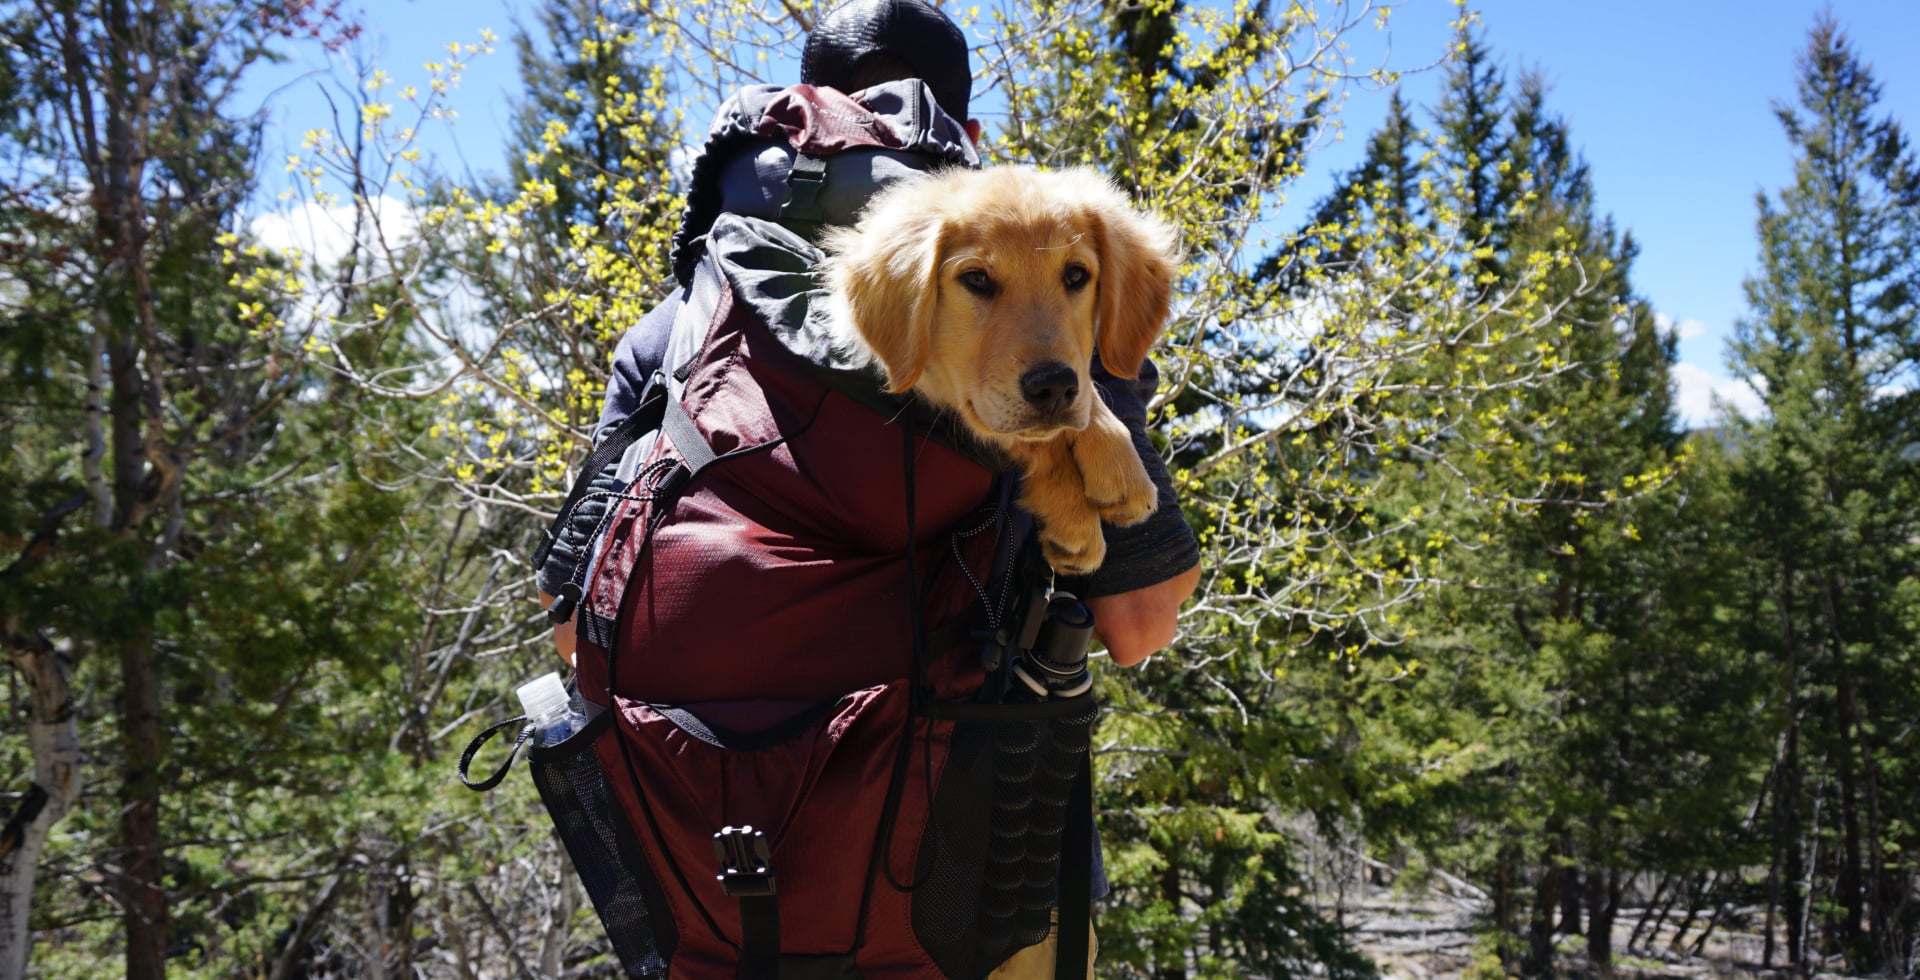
<point>473,747</point>
<point>686,437</point>
<point>1076,879</point>
<point>759,938</point>
<point>746,874</point>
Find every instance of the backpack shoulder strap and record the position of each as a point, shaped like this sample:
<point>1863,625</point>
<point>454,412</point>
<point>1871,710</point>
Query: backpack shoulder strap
<point>645,419</point>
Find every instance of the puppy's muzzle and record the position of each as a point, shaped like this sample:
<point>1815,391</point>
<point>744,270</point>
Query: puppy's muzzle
<point>1050,389</point>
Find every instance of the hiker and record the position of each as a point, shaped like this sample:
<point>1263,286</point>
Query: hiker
<point>1151,568</point>
<point>899,49</point>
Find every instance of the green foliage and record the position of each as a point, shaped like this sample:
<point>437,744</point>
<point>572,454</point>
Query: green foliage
<point>1570,709</point>
<point>1472,601</point>
<point>1827,485</point>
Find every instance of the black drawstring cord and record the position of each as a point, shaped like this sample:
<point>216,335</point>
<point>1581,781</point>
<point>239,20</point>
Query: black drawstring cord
<point>896,783</point>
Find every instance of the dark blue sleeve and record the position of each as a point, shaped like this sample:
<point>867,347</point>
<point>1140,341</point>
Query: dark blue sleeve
<point>1161,546</point>
<point>638,356</point>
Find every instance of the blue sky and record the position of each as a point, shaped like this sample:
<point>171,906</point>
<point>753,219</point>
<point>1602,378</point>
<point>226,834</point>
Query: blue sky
<point>1669,101</point>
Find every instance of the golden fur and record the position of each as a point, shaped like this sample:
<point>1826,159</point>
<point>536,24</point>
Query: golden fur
<point>963,283</point>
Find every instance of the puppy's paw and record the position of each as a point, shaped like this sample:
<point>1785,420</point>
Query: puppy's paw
<point>1127,500</point>
<point>1074,546</point>
<point>1118,486</point>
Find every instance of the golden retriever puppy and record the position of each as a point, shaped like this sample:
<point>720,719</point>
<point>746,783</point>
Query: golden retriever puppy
<point>987,292</point>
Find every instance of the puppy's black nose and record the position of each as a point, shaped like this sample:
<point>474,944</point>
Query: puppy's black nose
<point>1050,387</point>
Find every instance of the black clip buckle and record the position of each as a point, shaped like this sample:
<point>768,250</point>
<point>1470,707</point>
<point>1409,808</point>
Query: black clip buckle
<point>746,862</point>
<point>804,184</point>
<point>564,603</point>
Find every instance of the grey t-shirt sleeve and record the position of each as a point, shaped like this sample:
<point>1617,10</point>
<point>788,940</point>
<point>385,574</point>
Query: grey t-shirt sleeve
<point>1161,546</point>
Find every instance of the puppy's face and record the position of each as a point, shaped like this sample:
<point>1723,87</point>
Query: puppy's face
<point>1013,322</point>
<point>988,292</point>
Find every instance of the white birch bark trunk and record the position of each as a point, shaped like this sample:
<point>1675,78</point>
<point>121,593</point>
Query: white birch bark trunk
<point>54,738</point>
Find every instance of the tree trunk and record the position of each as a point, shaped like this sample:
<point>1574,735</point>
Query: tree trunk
<point>1786,808</point>
<point>1848,881</point>
<point>1673,897</point>
<point>1546,901</point>
<point>553,942</point>
<point>292,956</point>
<point>1696,887</point>
<point>1170,894</point>
<point>1806,864</point>
<point>143,891</point>
<point>1506,869</point>
<point>1889,935</point>
<point>1570,896</point>
<point>1219,873</point>
<point>1603,903</point>
<point>53,738</point>
<point>1659,889</point>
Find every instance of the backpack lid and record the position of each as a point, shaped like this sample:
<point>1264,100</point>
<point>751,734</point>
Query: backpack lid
<point>901,119</point>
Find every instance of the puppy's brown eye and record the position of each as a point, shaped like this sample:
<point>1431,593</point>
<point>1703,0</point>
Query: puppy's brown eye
<point>1075,277</point>
<point>977,282</point>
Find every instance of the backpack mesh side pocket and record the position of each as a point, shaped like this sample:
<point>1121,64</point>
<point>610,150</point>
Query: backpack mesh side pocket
<point>606,854</point>
<point>989,867</point>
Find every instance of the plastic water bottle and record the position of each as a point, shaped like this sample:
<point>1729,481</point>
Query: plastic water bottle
<point>549,709</point>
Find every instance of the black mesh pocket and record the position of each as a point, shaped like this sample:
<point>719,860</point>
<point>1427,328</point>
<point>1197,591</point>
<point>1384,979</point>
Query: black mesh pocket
<point>605,852</point>
<point>990,862</point>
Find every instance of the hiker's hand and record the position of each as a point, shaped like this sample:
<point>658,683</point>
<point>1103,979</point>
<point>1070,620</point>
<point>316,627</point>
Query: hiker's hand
<point>563,633</point>
<point>1136,625</point>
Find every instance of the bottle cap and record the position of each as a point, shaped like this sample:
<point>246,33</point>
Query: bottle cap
<point>544,698</point>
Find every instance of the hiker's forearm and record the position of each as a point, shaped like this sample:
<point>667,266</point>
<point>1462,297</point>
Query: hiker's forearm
<point>1135,625</point>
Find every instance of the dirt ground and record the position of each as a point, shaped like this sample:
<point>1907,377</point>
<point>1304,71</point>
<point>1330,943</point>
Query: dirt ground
<point>1428,934</point>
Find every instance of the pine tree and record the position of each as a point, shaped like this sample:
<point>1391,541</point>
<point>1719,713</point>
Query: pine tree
<point>1555,654</point>
<point>210,572</point>
<point>1471,145</point>
<point>1832,343</point>
<point>580,124</point>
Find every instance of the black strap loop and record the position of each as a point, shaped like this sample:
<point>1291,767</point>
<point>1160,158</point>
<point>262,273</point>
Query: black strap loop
<point>466,758</point>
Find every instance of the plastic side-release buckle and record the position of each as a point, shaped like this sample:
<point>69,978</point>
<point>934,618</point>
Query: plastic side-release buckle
<point>805,183</point>
<point>746,862</point>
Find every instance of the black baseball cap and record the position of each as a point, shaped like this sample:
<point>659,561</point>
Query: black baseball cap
<point>913,32</point>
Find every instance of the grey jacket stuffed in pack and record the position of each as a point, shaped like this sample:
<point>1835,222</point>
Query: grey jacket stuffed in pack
<point>745,175</point>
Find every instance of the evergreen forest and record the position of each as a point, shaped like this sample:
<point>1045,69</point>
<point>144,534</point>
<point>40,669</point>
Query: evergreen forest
<point>1483,625</point>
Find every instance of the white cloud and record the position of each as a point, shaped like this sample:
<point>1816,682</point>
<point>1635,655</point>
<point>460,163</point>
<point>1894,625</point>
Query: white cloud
<point>1682,329</point>
<point>1700,394</point>
<point>322,234</point>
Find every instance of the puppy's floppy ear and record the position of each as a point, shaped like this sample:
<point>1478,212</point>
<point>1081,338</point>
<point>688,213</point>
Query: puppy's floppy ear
<point>886,270</point>
<point>1138,257</point>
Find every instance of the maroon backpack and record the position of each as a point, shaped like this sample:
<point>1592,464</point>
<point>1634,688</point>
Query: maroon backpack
<point>805,638</point>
